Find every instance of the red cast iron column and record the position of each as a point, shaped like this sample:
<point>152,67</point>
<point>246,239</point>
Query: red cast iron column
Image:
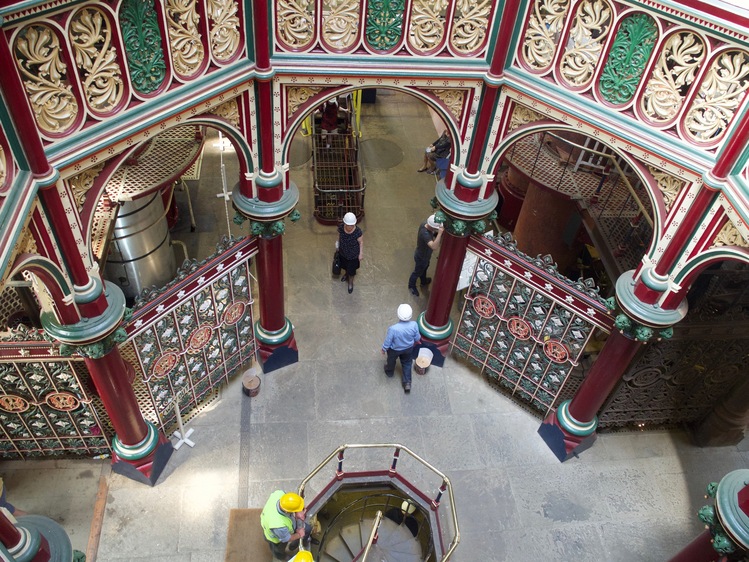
<point>271,204</point>
<point>468,202</point>
<point>100,316</point>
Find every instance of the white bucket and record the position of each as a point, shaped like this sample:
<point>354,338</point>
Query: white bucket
<point>423,360</point>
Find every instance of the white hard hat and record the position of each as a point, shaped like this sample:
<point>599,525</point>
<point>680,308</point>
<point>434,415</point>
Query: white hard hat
<point>431,223</point>
<point>349,219</point>
<point>404,312</point>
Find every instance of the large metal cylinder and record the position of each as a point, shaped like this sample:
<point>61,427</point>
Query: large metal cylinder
<point>140,252</point>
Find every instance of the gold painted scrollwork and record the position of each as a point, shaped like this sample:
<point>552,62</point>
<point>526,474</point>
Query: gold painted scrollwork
<point>340,22</point>
<point>299,96</point>
<point>453,100</point>
<point>91,38</point>
<point>592,23</point>
<point>729,235</point>
<point>184,37</point>
<point>37,52</point>
<point>224,34</point>
<point>542,34</point>
<point>669,185</point>
<point>427,24</point>
<point>295,21</point>
<point>674,72</point>
<point>81,183</point>
<point>522,115</point>
<point>470,24</point>
<point>229,111</point>
<point>721,93</point>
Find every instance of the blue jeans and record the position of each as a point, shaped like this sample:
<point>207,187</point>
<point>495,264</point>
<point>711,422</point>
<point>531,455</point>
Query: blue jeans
<point>406,357</point>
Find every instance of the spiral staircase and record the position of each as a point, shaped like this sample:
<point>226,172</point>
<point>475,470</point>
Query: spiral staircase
<point>382,515</point>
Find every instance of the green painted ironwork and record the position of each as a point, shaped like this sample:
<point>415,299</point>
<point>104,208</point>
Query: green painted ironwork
<point>507,324</point>
<point>199,343</point>
<point>142,37</point>
<point>384,23</point>
<point>46,411</point>
<point>628,58</point>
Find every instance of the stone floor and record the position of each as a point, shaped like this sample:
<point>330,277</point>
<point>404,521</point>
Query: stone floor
<point>632,497</point>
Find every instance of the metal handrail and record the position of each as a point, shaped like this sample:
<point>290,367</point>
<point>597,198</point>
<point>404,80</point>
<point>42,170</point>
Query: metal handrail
<point>622,175</point>
<point>372,535</point>
<point>446,486</point>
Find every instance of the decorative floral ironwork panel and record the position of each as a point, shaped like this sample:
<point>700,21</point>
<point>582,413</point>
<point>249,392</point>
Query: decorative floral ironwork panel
<point>524,324</point>
<point>681,380</point>
<point>46,411</point>
<point>193,336</point>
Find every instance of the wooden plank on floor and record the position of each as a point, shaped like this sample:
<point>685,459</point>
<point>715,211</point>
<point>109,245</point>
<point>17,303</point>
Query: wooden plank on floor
<point>96,522</point>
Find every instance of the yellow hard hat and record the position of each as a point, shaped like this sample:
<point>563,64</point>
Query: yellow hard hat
<point>303,556</point>
<point>291,502</point>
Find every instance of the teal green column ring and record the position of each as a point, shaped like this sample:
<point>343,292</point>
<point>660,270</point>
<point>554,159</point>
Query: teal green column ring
<point>733,519</point>
<point>571,425</point>
<point>89,329</point>
<point>434,332</point>
<point>139,450</point>
<point>273,337</point>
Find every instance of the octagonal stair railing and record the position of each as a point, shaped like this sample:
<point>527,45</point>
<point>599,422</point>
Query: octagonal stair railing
<point>373,513</point>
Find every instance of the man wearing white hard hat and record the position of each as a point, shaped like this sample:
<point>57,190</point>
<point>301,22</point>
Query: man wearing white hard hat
<point>399,344</point>
<point>428,239</point>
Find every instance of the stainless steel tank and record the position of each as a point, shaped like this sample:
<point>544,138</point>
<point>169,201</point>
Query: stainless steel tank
<point>140,251</point>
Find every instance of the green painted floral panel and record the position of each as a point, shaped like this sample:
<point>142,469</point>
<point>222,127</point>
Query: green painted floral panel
<point>628,58</point>
<point>384,24</point>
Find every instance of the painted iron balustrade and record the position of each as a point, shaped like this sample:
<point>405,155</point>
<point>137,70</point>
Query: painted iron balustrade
<point>604,185</point>
<point>441,514</point>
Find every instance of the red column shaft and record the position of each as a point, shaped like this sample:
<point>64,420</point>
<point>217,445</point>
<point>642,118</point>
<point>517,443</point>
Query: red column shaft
<point>260,29</point>
<point>490,93</point>
<point>732,149</point>
<point>699,550</point>
<point>112,375</point>
<point>446,275</point>
<point>614,358</point>
<point>9,535</point>
<point>483,122</point>
<point>504,37</point>
<point>270,283</point>
<point>267,157</point>
<point>71,255</point>
<point>687,226</point>
<point>25,125</point>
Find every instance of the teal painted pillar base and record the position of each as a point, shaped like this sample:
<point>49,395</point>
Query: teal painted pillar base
<point>434,338</point>
<point>565,436</point>
<point>276,349</point>
<point>42,540</point>
<point>145,461</point>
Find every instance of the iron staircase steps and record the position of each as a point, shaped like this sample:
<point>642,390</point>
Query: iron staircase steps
<point>395,543</point>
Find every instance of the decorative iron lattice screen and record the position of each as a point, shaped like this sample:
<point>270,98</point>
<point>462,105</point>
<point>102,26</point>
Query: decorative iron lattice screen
<point>193,335</point>
<point>523,324</point>
<point>46,406</point>
<point>681,380</point>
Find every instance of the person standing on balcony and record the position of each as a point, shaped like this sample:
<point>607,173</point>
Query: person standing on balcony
<point>438,149</point>
<point>399,344</point>
<point>428,239</point>
<point>350,248</point>
<point>284,524</point>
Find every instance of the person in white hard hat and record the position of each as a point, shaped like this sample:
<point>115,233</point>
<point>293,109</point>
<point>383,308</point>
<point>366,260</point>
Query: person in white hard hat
<point>350,248</point>
<point>428,239</point>
<point>399,344</point>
